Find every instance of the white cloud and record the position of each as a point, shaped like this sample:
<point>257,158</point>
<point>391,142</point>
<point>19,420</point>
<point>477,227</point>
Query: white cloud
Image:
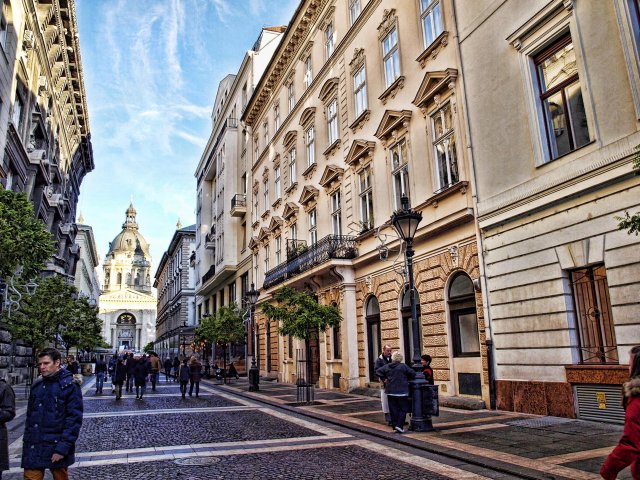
<point>223,9</point>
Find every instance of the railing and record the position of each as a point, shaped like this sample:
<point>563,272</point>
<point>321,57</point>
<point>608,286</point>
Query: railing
<point>301,257</point>
<point>239,200</point>
<point>209,275</point>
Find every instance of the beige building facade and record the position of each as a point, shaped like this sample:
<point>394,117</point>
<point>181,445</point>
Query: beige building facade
<point>361,104</point>
<point>555,109</point>
<point>86,276</point>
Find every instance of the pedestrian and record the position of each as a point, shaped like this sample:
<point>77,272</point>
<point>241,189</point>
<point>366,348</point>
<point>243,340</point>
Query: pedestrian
<point>154,366</point>
<point>168,364</point>
<point>101,373</point>
<point>130,363</point>
<point>7,413</point>
<point>232,371</point>
<point>54,418</point>
<point>183,375</point>
<point>427,371</point>
<point>176,368</point>
<point>195,373</point>
<point>628,450</point>
<point>111,365</point>
<point>207,368</point>
<point>119,377</point>
<point>72,365</point>
<point>140,375</point>
<point>383,359</point>
<point>396,376</point>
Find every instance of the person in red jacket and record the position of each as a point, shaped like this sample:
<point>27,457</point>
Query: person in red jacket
<point>628,450</point>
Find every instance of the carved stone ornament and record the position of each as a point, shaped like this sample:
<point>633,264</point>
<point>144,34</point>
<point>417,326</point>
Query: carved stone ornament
<point>389,20</point>
<point>357,60</point>
<point>431,52</point>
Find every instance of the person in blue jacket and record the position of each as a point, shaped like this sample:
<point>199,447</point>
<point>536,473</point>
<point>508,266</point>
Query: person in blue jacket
<point>396,376</point>
<point>54,418</point>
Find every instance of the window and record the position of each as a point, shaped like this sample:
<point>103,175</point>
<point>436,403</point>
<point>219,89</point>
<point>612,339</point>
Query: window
<point>366,199</point>
<point>256,270</point>
<point>278,241</point>
<point>444,143</point>
<point>256,151</point>
<point>266,194</point>
<point>560,97</point>
<point>3,28</point>
<point>243,233</point>
<point>278,185</point>
<point>18,108</point>
<point>354,10</point>
<point>308,72</point>
<point>360,90</point>
<point>232,292</point>
<point>391,57</point>
<point>313,227</point>
<point>265,133</point>
<point>464,321</point>
<point>593,312</point>
<point>431,19</point>
<point>374,334</point>
<point>400,172</point>
<point>309,140</point>
<point>294,231</point>
<point>336,213</point>
<point>276,117</point>
<point>329,39</point>
<point>292,166</point>
<point>336,339</point>
<point>266,259</point>
<point>244,96</point>
<point>255,206</point>
<point>332,121</point>
<point>291,97</point>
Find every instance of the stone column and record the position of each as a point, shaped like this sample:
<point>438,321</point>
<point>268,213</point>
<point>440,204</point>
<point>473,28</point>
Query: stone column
<point>350,321</point>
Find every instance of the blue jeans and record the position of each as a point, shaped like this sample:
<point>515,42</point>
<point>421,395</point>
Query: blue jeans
<point>99,381</point>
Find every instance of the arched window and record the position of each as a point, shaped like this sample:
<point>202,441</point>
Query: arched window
<point>407,325</point>
<point>374,335</point>
<point>464,319</point>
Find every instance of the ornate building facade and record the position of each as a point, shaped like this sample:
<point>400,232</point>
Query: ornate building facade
<point>128,303</point>
<point>86,276</point>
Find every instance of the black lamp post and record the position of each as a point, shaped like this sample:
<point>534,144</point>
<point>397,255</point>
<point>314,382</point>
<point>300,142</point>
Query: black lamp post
<point>405,221</point>
<point>183,339</point>
<point>251,298</point>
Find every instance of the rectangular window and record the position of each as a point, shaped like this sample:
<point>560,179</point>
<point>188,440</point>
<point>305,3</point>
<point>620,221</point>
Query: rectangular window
<point>360,91</point>
<point>266,259</point>
<point>265,133</point>
<point>593,312</point>
<point>278,185</point>
<point>400,172</point>
<point>255,206</point>
<point>276,117</point>
<point>256,269</point>
<point>266,195</point>
<point>337,342</point>
<point>336,213</point>
<point>18,107</point>
<point>332,121</point>
<point>560,98</point>
<point>329,40</point>
<point>243,233</point>
<point>313,227</point>
<point>431,20</point>
<point>292,166</point>
<point>444,143</point>
<point>309,140</point>
<point>232,292</point>
<point>354,10</point>
<point>291,97</point>
<point>391,57</point>
<point>256,151</point>
<point>294,231</point>
<point>278,241</point>
<point>366,199</point>
<point>308,72</point>
<point>244,96</point>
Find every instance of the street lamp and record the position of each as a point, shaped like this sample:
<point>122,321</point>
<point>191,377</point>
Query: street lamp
<point>405,221</point>
<point>183,340</point>
<point>10,296</point>
<point>251,297</point>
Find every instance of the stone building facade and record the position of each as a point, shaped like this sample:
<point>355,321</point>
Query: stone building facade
<point>555,108</point>
<point>361,103</point>
<point>128,303</point>
<point>86,276</point>
<point>175,285</point>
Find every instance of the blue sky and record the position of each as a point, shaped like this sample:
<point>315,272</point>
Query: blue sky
<point>151,70</point>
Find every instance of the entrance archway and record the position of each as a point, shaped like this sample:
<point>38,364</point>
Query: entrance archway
<point>374,335</point>
<point>407,325</point>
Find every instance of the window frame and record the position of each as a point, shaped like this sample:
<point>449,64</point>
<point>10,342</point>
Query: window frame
<point>353,16</point>
<point>276,117</point>
<point>309,145</point>
<point>401,172</point>
<point>308,71</point>
<point>336,212</point>
<point>265,194</point>
<point>291,96</point>
<point>333,132</point>
<point>366,197</point>
<point>277,174</point>
<point>392,54</point>
<point>444,139</point>
<point>312,218</point>
<point>360,91</point>
<point>329,39</point>
<point>426,13</point>
<point>292,166</point>
<point>278,249</point>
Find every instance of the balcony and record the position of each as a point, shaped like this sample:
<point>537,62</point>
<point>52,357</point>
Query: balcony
<point>301,257</point>
<point>239,205</point>
<point>210,239</point>
<point>209,275</point>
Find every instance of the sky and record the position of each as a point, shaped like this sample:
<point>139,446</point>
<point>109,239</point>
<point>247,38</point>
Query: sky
<point>151,70</point>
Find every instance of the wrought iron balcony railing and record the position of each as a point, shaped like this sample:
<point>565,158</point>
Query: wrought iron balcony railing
<point>210,273</point>
<point>239,200</point>
<point>302,257</point>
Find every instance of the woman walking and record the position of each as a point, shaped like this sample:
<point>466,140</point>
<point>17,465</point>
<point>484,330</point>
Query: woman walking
<point>195,372</point>
<point>119,376</point>
<point>628,450</point>
<point>176,369</point>
<point>140,375</point>
<point>183,376</point>
<point>396,376</point>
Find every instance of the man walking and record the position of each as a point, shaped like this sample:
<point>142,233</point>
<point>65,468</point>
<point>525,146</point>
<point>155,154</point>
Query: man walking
<point>168,365</point>
<point>154,365</point>
<point>381,361</point>
<point>101,373</point>
<point>50,434</point>
<point>7,413</point>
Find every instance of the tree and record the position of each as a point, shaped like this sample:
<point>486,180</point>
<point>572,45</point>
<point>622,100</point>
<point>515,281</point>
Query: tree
<point>84,330</point>
<point>148,347</point>
<point>24,240</point>
<point>631,223</point>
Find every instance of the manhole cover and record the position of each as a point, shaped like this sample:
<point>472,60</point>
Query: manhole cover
<point>539,422</point>
<point>196,461</point>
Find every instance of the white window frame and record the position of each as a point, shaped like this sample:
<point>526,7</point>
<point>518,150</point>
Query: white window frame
<point>291,96</point>
<point>332,121</point>
<point>428,11</point>
<point>265,132</point>
<point>329,39</point>
<point>400,173</point>
<point>278,242</point>
<point>4,28</point>
<point>265,194</point>
<point>308,71</point>
<point>336,212</point>
<point>310,145</point>
<point>313,226</point>
<point>276,117</point>
<point>365,186</point>
<point>354,10</point>
<point>255,206</point>
<point>293,229</point>
<point>266,259</point>
<point>256,267</point>
<point>444,140</point>
<point>391,57</point>
<point>278,182</point>
<point>360,90</point>
<point>292,166</point>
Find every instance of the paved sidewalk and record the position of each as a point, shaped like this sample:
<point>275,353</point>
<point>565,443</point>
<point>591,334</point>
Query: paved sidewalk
<point>527,445</point>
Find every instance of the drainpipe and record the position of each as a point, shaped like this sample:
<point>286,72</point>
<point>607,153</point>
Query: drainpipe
<point>474,195</point>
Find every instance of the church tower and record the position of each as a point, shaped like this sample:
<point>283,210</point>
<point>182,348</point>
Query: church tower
<point>128,303</point>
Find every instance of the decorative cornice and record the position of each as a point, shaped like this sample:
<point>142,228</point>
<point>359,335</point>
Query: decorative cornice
<point>389,20</point>
<point>359,150</point>
<point>329,88</point>
<point>392,90</point>
<point>357,60</point>
<point>434,83</point>
<point>307,116</point>
<point>392,120</point>
<point>331,175</point>
<point>431,52</point>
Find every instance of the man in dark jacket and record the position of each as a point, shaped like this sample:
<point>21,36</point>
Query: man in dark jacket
<point>396,376</point>
<point>381,361</point>
<point>50,434</point>
<point>101,374</point>
<point>7,413</point>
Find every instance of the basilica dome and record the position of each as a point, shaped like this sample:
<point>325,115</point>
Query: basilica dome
<point>129,239</point>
